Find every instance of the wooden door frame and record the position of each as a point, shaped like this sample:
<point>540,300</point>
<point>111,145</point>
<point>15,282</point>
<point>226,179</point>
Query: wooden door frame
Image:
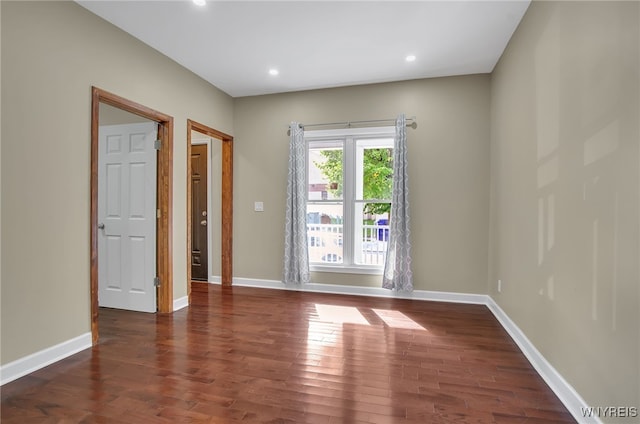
<point>164,228</point>
<point>226,230</point>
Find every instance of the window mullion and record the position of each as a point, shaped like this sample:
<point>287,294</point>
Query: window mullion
<point>348,168</point>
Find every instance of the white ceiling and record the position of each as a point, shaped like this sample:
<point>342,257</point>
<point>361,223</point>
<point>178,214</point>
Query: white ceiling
<point>318,44</point>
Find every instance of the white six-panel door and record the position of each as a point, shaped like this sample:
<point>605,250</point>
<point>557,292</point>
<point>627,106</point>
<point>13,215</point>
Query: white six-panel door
<point>127,216</point>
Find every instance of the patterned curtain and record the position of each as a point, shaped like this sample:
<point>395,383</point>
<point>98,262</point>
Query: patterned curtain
<point>397,267</point>
<point>296,256</point>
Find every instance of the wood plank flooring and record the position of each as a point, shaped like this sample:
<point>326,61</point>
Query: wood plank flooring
<point>243,355</point>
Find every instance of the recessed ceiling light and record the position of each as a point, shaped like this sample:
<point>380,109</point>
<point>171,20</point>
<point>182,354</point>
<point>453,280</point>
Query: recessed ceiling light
<point>273,71</point>
<point>410,58</point>
<point>200,2</point>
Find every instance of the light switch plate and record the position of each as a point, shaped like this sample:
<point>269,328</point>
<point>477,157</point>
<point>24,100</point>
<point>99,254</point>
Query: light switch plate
<point>258,206</point>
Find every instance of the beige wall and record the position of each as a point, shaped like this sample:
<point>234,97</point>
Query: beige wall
<point>52,53</point>
<point>565,192</point>
<point>109,115</point>
<point>449,175</point>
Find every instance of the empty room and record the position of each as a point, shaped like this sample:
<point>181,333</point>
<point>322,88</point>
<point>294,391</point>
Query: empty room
<point>320,211</point>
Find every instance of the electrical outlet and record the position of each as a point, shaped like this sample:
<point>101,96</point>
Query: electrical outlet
<point>499,286</point>
<point>258,206</point>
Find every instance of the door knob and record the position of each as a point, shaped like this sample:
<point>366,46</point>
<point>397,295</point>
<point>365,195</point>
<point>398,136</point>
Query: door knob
<point>203,222</point>
<point>101,226</point>
<point>204,213</point>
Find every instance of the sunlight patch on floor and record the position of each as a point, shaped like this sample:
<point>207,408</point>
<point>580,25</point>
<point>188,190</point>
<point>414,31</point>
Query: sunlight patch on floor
<point>340,314</point>
<point>397,319</point>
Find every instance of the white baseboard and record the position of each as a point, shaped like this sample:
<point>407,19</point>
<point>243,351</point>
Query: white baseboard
<point>565,392</point>
<point>181,302</point>
<point>28,364</point>
<point>479,299</point>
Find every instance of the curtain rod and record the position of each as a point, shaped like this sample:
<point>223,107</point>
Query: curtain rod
<point>411,122</point>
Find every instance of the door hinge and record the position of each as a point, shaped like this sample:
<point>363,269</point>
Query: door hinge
<point>156,281</point>
<point>158,214</point>
<point>157,144</point>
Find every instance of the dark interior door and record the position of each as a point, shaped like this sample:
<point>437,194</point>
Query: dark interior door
<point>199,248</point>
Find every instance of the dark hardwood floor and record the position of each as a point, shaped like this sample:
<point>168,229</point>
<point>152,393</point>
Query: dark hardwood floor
<point>269,356</point>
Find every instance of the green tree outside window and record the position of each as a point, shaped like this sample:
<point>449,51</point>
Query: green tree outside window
<point>377,176</point>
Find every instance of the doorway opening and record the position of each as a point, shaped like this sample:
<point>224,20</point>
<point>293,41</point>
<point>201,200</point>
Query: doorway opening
<point>164,184</point>
<point>204,152</point>
<point>201,225</point>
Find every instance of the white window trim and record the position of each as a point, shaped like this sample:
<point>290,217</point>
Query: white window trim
<point>366,131</point>
<point>347,269</point>
<point>348,157</point>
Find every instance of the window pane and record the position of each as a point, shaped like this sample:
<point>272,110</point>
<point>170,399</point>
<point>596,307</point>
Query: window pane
<point>371,233</point>
<point>324,233</point>
<point>374,169</point>
<point>325,172</point>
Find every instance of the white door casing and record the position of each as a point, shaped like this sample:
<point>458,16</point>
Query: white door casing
<point>127,163</point>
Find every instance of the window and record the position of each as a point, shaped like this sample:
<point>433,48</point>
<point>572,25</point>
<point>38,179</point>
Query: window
<point>349,180</point>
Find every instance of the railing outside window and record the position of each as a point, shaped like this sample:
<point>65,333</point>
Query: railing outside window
<point>326,246</point>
